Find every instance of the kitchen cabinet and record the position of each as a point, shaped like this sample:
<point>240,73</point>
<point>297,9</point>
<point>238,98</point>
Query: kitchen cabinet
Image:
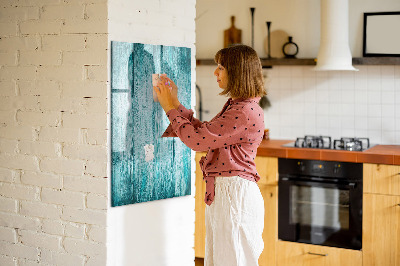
<point>298,254</point>
<point>381,230</point>
<point>381,215</point>
<point>200,207</point>
<point>381,221</point>
<point>267,168</point>
<point>270,233</point>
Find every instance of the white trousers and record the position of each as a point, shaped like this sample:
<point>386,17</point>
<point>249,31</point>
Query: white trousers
<point>234,223</point>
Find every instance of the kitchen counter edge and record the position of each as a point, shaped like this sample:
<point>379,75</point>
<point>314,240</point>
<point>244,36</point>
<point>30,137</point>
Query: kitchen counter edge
<point>378,154</point>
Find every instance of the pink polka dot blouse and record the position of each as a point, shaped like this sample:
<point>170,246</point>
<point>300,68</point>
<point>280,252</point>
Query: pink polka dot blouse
<point>231,139</point>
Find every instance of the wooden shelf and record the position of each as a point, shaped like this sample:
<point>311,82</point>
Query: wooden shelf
<point>312,61</point>
<point>288,62</point>
<point>376,61</point>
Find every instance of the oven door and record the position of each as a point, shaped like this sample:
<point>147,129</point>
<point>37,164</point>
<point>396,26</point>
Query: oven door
<point>321,212</point>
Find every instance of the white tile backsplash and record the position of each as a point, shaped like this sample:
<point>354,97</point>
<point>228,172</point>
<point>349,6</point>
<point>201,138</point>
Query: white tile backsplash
<point>364,103</point>
<point>388,97</point>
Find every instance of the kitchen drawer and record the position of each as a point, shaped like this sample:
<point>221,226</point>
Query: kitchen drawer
<point>267,168</point>
<point>381,179</point>
<point>298,254</point>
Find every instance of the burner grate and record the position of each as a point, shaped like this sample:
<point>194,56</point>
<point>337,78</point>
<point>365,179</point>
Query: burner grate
<point>351,144</point>
<point>320,142</point>
<point>324,142</point>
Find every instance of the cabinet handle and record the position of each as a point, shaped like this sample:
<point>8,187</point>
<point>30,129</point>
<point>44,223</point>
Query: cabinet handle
<point>318,254</point>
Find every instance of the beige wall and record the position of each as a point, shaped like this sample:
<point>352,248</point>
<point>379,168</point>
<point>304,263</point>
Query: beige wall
<point>298,18</point>
<point>53,80</point>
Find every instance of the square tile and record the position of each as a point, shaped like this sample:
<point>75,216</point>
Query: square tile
<point>374,110</point>
<point>335,96</point>
<point>322,122</point>
<point>388,110</point>
<point>388,137</point>
<point>322,83</point>
<point>388,124</point>
<point>361,97</point>
<point>347,109</point>
<point>388,97</point>
<point>360,124</point>
<point>310,95</point>
<point>349,132</point>
<point>348,96</point>
<point>348,122</point>
<point>322,109</point>
<point>374,83</point>
<point>374,97</point>
<point>374,123</point>
<point>388,84</point>
<point>310,108</point>
<point>296,71</point>
<point>375,136</point>
<point>387,71</point>
<point>322,96</point>
<point>335,122</point>
<point>334,109</point>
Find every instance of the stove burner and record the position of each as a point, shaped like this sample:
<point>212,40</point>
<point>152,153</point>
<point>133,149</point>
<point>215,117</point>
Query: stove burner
<point>324,142</point>
<point>351,144</point>
<point>308,141</point>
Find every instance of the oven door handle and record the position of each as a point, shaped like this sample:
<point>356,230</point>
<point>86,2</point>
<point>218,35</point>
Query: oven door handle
<point>329,184</point>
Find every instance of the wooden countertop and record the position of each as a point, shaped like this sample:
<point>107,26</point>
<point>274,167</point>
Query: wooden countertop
<point>379,154</point>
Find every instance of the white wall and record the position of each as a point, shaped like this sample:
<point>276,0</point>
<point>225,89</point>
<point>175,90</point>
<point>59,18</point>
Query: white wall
<point>158,232</point>
<point>53,186</point>
<point>299,18</point>
<point>338,104</point>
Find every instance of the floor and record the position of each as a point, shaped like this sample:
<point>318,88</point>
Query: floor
<point>199,262</point>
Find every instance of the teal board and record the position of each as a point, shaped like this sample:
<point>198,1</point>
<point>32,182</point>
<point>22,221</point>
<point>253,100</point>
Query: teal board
<point>144,166</point>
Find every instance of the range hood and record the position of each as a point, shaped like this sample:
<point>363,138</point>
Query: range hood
<point>334,51</point>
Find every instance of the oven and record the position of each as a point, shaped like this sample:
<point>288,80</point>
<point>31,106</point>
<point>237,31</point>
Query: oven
<point>320,202</point>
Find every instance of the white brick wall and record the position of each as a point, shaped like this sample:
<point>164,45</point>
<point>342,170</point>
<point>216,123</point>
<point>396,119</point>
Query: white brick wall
<point>53,121</point>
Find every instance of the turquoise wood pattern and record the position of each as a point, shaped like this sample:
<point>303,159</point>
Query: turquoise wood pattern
<point>144,166</point>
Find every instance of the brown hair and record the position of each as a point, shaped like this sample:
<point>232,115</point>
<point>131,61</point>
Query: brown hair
<point>245,78</point>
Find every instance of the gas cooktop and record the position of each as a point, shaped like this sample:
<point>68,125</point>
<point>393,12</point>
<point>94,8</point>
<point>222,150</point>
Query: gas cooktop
<point>325,142</point>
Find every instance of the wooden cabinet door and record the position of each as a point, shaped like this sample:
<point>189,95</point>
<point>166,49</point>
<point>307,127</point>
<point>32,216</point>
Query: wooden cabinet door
<point>381,230</point>
<point>297,254</point>
<point>270,233</point>
<point>381,179</point>
<point>267,168</point>
<point>200,207</point>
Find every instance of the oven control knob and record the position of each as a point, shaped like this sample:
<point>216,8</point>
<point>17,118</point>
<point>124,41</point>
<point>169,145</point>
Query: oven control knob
<point>302,167</point>
<point>336,169</point>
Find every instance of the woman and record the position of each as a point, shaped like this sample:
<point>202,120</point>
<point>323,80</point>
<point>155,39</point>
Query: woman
<point>235,207</point>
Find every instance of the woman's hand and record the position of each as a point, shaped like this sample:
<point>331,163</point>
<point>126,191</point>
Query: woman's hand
<point>174,91</point>
<point>164,96</point>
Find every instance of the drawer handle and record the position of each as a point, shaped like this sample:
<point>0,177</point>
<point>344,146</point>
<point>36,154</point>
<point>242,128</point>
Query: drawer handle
<point>318,254</point>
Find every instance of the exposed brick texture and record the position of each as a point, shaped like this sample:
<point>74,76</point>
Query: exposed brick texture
<point>53,56</point>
